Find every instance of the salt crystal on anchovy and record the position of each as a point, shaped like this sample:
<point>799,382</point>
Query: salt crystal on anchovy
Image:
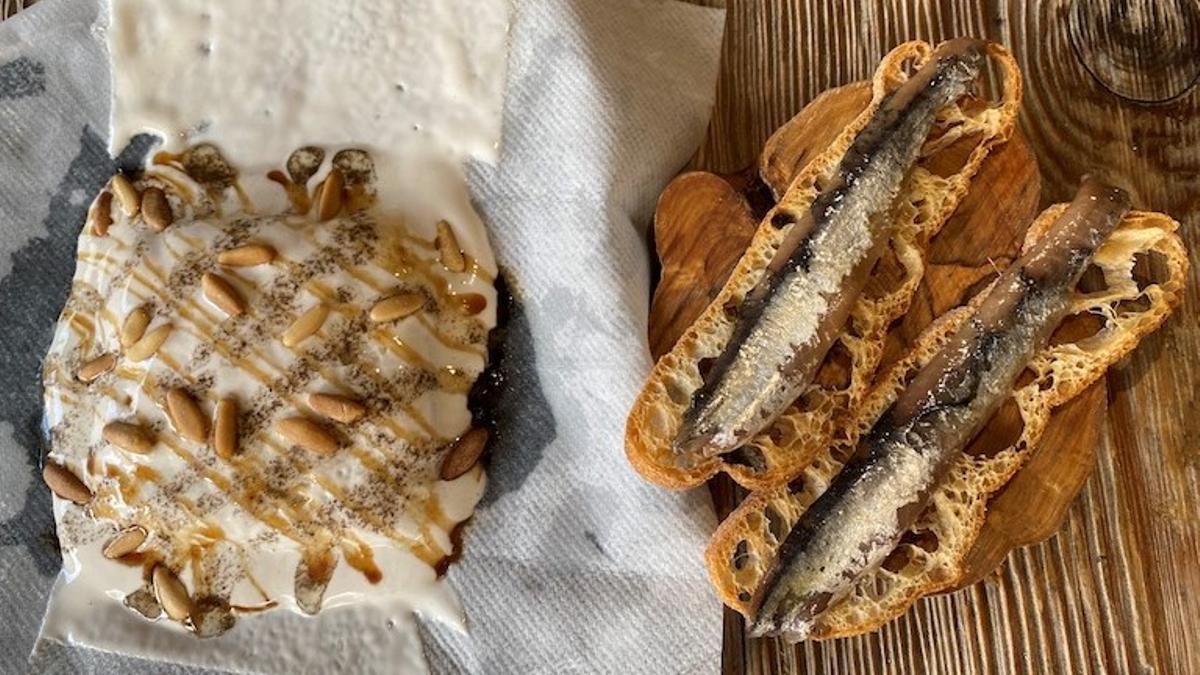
<point>857,521</point>
<point>788,322</point>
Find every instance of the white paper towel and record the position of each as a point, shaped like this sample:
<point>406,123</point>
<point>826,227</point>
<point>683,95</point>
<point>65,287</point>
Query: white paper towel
<point>572,564</point>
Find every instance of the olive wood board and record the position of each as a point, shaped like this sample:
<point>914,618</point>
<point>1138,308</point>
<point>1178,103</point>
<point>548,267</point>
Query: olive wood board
<point>704,221</point>
<point>1111,89</point>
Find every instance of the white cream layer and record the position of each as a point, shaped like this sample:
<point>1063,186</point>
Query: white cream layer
<point>417,83</point>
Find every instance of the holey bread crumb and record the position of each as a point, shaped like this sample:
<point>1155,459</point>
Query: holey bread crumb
<point>963,135</point>
<point>1143,265</point>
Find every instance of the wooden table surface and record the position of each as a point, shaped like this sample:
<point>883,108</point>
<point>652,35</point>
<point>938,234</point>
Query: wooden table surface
<point>10,7</point>
<point>1111,88</point>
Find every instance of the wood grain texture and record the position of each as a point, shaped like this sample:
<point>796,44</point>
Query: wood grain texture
<point>1118,588</point>
<point>694,268</point>
<point>11,7</point>
<point>703,222</point>
<point>1107,92</point>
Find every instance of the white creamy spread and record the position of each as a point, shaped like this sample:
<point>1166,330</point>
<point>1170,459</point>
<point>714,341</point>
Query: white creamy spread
<point>417,85</point>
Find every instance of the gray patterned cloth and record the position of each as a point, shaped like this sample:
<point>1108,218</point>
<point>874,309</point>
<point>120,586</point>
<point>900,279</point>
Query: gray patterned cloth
<point>572,564</point>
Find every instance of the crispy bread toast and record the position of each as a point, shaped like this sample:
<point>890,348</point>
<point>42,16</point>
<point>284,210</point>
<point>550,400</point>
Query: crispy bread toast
<point>1143,266</point>
<point>962,138</point>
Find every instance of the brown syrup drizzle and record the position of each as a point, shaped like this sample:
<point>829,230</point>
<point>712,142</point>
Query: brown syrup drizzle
<point>252,499</point>
<point>243,363</point>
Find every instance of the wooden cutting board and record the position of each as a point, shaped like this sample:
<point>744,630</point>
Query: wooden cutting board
<point>1110,88</point>
<point>703,222</point>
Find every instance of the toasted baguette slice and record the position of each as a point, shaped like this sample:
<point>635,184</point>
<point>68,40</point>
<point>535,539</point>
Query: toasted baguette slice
<point>963,135</point>
<point>931,555</point>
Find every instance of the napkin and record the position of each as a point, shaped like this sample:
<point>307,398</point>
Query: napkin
<point>572,563</point>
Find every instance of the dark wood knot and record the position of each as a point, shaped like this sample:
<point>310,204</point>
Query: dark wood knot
<point>1147,51</point>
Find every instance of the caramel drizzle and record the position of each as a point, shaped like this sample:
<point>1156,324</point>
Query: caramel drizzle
<point>179,185</point>
<point>481,352</point>
<point>360,560</point>
<point>127,489</point>
<point>428,553</point>
<point>441,288</point>
<point>247,466</point>
<point>246,364</point>
<point>445,298</point>
<point>242,463</point>
<point>85,328</point>
<point>476,270</point>
<point>263,378</point>
<point>358,555</point>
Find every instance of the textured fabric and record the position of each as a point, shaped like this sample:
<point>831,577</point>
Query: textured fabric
<point>604,105</point>
<point>572,564</point>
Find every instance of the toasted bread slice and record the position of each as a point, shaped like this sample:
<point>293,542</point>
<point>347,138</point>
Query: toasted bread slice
<point>1144,267</point>
<point>964,134</point>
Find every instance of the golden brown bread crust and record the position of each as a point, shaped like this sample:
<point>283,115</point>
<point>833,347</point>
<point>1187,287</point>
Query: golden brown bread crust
<point>931,556</point>
<point>808,425</point>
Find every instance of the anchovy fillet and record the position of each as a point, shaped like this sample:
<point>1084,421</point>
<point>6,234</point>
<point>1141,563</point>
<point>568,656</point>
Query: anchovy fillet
<point>880,492</point>
<point>789,320</point>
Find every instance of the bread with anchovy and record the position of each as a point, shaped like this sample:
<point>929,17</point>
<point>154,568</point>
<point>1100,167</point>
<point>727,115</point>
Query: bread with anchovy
<point>927,199</point>
<point>1144,266</point>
